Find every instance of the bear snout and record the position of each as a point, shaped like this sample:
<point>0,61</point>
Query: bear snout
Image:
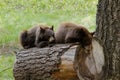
<point>51,39</point>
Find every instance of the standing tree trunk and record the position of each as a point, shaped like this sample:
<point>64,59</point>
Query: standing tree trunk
<point>108,32</point>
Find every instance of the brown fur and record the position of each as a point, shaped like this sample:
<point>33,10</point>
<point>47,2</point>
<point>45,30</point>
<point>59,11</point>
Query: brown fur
<point>37,36</point>
<point>70,33</point>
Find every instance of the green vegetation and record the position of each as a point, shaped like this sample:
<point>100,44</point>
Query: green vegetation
<point>17,15</point>
<point>6,65</point>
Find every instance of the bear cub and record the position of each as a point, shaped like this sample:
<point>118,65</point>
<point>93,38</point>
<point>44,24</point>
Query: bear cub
<point>38,36</point>
<point>71,33</point>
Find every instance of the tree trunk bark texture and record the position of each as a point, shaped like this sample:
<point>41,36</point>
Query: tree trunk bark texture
<point>50,63</point>
<point>108,32</point>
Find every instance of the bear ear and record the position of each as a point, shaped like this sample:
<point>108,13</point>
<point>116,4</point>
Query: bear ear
<point>84,32</point>
<point>92,33</point>
<point>52,27</point>
<point>81,29</point>
<point>42,30</point>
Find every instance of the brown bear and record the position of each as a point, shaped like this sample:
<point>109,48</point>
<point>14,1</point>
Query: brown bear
<point>38,36</point>
<point>70,33</point>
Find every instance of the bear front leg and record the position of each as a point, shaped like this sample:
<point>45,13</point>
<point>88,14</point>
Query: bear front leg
<point>42,44</point>
<point>26,47</point>
<point>70,39</point>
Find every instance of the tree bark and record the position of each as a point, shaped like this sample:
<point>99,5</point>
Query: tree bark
<point>108,32</point>
<point>50,63</point>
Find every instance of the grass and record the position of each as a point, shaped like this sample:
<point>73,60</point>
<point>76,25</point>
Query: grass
<point>6,64</point>
<point>17,15</point>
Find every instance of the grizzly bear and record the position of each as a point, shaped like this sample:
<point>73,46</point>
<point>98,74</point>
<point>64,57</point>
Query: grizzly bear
<point>70,33</point>
<point>38,36</point>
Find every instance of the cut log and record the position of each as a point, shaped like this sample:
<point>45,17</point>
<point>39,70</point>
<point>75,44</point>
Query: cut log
<point>60,62</point>
<point>89,61</point>
<point>50,63</point>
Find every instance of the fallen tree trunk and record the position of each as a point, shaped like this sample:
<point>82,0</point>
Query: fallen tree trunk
<point>54,63</point>
<point>61,62</point>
